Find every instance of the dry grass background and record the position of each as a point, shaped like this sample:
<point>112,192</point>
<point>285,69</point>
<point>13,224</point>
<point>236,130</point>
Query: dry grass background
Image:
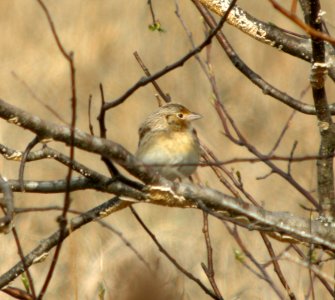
<point>103,35</point>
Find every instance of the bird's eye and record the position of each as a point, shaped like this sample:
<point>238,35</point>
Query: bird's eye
<point>180,115</point>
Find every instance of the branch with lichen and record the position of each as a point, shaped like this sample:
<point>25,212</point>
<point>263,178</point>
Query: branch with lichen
<point>267,33</point>
<point>326,126</point>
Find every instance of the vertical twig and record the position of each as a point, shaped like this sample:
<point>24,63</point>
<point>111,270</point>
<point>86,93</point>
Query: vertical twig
<point>102,114</point>
<point>209,269</point>
<point>29,147</point>
<point>310,259</point>
<point>152,12</point>
<point>295,144</point>
<point>62,219</point>
<point>103,133</point>
<point>90,125</point>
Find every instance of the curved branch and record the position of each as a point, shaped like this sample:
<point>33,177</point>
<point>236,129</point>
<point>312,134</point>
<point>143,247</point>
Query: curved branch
<point>267,33</point>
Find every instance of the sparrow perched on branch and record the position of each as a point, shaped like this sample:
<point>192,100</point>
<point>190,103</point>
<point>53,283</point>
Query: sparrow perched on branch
<point>168,143</point>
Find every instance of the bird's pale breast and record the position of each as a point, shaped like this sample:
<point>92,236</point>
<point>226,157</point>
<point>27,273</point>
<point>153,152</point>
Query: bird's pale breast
<point>162,148</point>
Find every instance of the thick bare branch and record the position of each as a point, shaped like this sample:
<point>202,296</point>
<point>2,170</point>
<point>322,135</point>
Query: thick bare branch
<point>326,126</point>
<point>77,184</point>
<point>267,33</point>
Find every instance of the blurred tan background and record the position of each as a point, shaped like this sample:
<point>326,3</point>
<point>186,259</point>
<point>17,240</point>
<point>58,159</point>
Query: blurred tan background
<point>103,36</point>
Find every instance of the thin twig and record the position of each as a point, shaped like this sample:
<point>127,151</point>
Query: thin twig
<point>216,170</point>
<point>295,144</point>
<point>311,280</point>
<point>62,219</point>
<point>170,258</point>
<point>103,134</point>
<point>310,258</point>
<point>190,37</point>
<point>26,269</point>
<point>29,147</point>
<point>152,12</point>
<point>166,97</point>
<point>262,177</point>
<point>155,21</point>
<point>17,293</point>
<point>282,133</point>
<point>209,269</point>
<point>308,29</point>
<point>102,114</point>
<point>34,96</point>
<point>90,125</point>
<point>277,266</point>
<point>15,155</point>
<point>278,256</point>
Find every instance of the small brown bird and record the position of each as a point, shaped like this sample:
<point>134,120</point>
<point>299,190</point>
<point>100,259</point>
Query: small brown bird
<point>167,138</point>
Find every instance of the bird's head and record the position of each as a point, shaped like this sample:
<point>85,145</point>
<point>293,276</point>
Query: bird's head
<point>176,116</point>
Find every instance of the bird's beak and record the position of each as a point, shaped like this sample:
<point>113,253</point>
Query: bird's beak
<point>193,116</point>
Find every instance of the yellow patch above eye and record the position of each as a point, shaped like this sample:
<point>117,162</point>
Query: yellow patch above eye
<point>184,111</point>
